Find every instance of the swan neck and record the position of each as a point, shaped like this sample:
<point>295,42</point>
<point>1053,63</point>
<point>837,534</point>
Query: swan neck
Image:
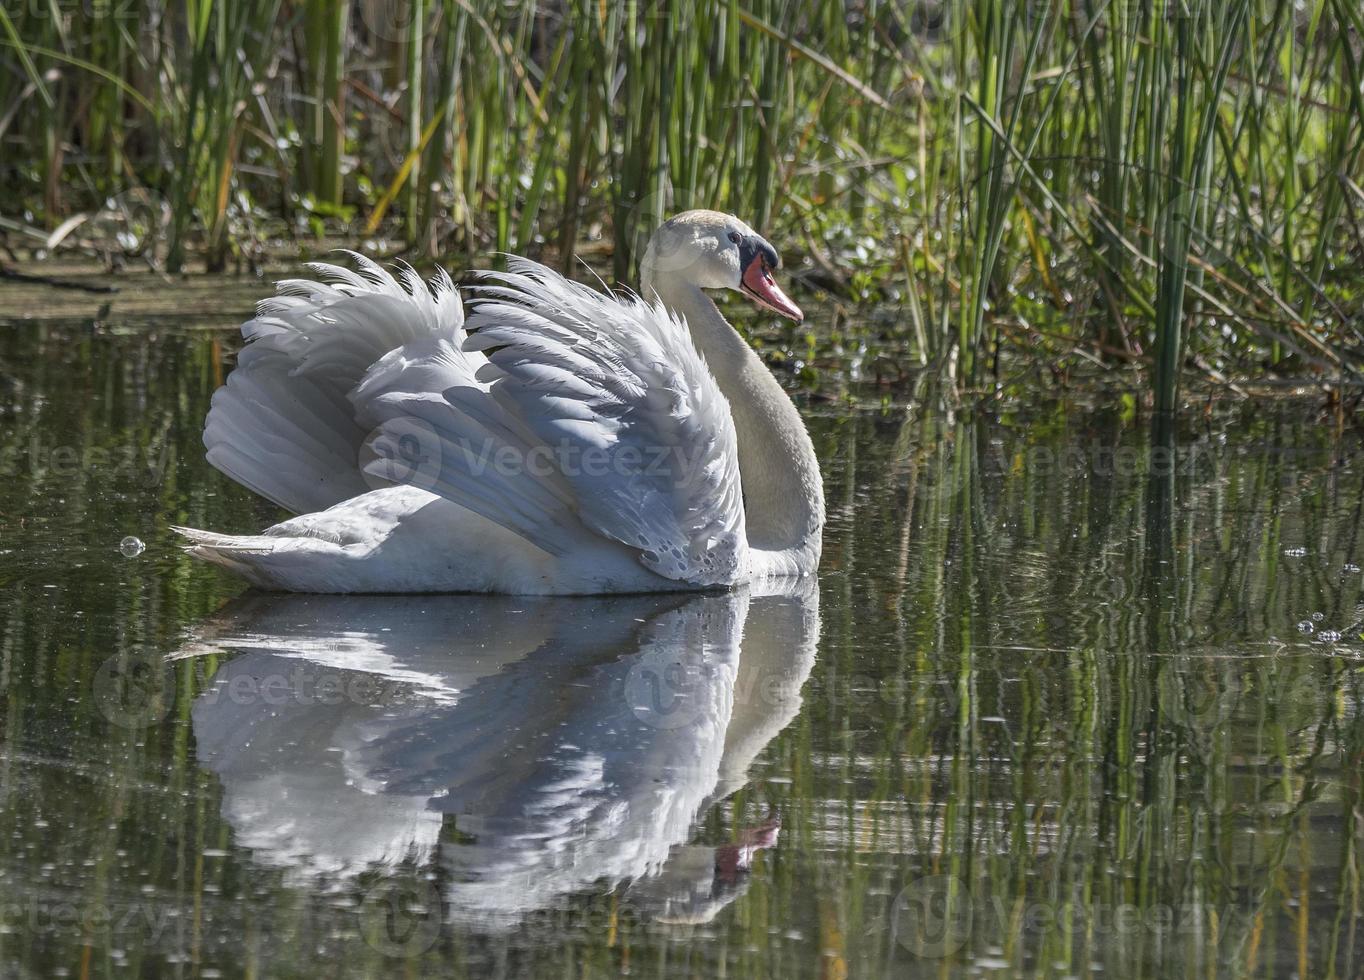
<point>782,488</point>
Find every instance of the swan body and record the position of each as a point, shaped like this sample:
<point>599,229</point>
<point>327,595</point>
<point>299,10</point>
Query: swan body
<point>556,441</point>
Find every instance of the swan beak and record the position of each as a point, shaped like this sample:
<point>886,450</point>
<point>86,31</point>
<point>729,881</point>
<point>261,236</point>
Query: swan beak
<point>763,289</point>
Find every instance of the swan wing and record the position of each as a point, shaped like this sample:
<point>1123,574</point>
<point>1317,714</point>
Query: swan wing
<point>564,415</point>
<point>637,425</point>
<point>282,425</point>
<point>432,422</point>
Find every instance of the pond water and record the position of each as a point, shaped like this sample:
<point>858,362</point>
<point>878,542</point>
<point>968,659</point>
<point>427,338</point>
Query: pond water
<point>1061,703</point>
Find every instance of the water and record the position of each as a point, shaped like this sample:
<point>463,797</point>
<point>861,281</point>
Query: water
<point>1060,704</point>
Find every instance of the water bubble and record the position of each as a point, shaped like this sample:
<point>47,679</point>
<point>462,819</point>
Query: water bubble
<point>1294,552</point>
<point>1317,617</point>
<point>1351,569</point>
<point>1328,636</point>
<point>1306,626</point>
<point>131,547</point>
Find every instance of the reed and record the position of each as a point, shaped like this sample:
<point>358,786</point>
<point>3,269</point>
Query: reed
<point>1109,181</point>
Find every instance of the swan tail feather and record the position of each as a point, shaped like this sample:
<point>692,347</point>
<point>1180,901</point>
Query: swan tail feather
<point>298,563</point>
<point>225,542</point>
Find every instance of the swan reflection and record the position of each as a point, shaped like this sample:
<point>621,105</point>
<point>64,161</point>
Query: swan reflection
<point>525,749</point>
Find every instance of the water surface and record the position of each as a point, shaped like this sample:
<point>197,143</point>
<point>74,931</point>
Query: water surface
<point>1059,704</point>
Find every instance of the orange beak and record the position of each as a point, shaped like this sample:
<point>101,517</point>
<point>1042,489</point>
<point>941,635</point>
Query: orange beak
<point>759,284</point>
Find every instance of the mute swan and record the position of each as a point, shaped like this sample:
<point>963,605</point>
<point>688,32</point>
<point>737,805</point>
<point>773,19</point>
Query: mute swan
<point>560,441</point>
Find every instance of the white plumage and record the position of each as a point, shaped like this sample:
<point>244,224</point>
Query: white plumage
<point>561,441</point>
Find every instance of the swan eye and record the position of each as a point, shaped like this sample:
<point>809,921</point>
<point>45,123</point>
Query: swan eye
<point>735,237</point>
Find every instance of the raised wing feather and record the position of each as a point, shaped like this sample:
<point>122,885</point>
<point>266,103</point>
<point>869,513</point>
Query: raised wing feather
<point>616,388</point>
<point>282,425</point>
<point>562,414</point>
<point>433,424</point>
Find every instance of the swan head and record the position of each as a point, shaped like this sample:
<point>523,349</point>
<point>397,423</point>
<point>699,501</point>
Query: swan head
<point>712,250</point>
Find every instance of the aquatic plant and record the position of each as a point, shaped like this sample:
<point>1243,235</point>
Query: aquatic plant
<point>1112,182</point>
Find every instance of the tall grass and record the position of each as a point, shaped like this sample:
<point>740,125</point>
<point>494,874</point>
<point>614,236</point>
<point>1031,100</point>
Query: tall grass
<point>1175,185</point>
<point>222,61</point>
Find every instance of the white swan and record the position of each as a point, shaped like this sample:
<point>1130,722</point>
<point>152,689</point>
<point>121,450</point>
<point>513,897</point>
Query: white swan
<point>560,441</point>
